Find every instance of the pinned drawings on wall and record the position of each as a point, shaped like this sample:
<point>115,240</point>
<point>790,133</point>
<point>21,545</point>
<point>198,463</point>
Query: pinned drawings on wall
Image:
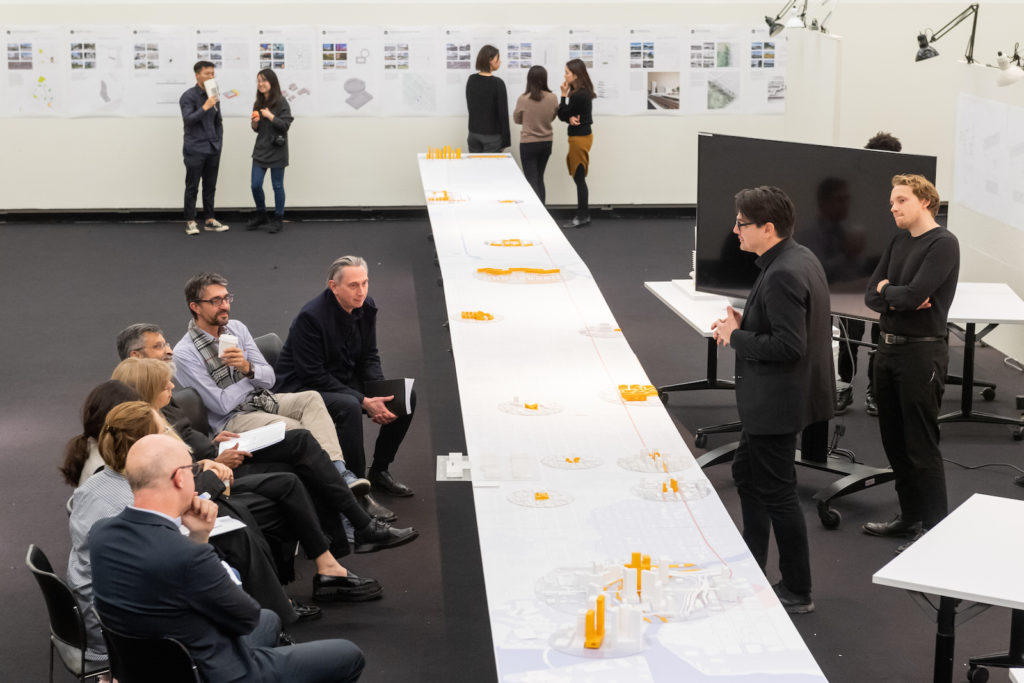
<point>141,71</point>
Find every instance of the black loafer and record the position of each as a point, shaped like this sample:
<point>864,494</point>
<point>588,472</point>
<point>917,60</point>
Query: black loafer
<point>378,535</point>
<point>793,603</point>
<point>284,640</point>
<point>897,526</point>
<point>376,510</point>
<point>305,612</point>
<point>385,482</point>
<point>349,588</point>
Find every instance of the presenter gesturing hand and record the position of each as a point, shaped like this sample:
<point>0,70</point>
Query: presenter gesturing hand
<point>724,327</point>
<point>378,412</point>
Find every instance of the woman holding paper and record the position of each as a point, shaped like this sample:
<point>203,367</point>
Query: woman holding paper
<point>575,109</point>
<point>535,110</point>
<point>487,102</point>
<point>271,119</point>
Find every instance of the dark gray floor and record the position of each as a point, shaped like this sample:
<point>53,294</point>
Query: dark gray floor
<point>66,290</point>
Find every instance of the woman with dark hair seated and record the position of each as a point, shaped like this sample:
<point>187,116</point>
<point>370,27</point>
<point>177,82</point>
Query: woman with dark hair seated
<point>82,456</point>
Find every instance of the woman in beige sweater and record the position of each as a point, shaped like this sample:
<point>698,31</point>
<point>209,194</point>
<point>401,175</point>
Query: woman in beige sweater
<point>535,110</point>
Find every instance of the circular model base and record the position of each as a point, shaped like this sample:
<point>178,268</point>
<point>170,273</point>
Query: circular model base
<point>643,462</point>
<point>572,462</point>
<point>527,498</point>
<point>567,642</point>
<point>543,408</point>
<point>660,490</point>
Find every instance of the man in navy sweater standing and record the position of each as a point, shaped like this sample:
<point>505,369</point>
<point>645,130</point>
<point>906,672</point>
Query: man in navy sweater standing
<point>204,134</point>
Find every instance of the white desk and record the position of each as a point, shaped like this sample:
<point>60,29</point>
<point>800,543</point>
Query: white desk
<point>990,304</point>
<point>973,554</point>
<point>553,343</point>
<point>1017,675</point>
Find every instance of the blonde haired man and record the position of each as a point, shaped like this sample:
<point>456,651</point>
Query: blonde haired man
<point>912,288</point>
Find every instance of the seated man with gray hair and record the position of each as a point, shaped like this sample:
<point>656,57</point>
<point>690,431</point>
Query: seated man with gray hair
<point>332,349</point>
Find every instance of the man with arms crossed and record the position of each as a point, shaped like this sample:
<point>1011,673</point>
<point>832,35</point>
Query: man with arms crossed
<point>912,288</point>
<point>785,381</point>
<point>204,134</point>
<point>151,581</point>
<point>332,349</point>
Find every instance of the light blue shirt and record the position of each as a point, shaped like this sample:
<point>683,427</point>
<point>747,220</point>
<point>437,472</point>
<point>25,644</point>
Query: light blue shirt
<point>222,404</point>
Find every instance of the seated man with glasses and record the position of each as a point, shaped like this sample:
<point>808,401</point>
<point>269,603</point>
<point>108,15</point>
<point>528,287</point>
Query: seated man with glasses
<point>151,581</point>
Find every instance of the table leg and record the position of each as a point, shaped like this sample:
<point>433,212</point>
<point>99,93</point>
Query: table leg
<point>945,639</point>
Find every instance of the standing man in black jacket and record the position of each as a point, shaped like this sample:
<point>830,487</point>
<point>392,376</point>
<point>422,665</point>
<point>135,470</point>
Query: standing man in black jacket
<point>912,288</point>
<point>204,134</point>
<point>785,381</point>
<point>332,348</point>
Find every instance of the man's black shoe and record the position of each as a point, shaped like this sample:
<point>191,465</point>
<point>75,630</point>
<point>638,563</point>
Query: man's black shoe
<point>376,510</point>
<point>349,588</point>
<point>870,405</point>
<point>794,603</point>
<point>378,535</point>
<point>384,481</point>
<point>844,398</point>
<point>258,220</point>
<point>283,640</point>
<point>897,526</point>
<point>305,612</point>
<point>920,532</point>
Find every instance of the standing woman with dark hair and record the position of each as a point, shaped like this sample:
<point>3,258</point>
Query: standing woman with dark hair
<point>576,111</point>
<point>535,110</point>
<point>487,102</point>
<point>271,118</point>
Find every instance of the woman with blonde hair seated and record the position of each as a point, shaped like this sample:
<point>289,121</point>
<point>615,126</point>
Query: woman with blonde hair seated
<point>277,502</point>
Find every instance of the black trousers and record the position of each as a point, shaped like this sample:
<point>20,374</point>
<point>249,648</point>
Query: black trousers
<point>909,381</point>
<point>534,157</point>
<point>201,167</point>
<point>847,366</point>
<point>765,474</point>
<point>582,192</point>
<point>347,413</point>
<point>282,508</point>
<point>302,455</point>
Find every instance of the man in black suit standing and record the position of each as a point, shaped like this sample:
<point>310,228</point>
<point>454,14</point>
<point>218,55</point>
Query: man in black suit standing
<point>204,133</point>
<point>151,581</point>
<point>785,381</point>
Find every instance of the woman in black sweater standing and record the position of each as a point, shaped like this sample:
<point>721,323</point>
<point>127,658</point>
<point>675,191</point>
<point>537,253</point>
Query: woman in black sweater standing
<point>576,111</point>
<point>487,102</point>
<point>271,118</point>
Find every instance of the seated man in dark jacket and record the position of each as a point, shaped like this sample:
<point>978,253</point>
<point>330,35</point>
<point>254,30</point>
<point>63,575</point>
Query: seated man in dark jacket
<point>332,348</point>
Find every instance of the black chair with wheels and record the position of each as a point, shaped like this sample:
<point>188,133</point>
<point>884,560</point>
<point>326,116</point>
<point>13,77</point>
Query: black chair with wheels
<point>148,660</point>
<point>270,346</point>
<point>67,628</point>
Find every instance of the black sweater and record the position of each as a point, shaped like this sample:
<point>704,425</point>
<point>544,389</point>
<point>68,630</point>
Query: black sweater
<point>580,103</point>
<point>487,102</point>
<point>265,153</point>
<point>918,268</point>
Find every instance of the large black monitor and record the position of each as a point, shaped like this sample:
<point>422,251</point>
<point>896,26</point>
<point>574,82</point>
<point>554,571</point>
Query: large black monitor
<point>842,209</point>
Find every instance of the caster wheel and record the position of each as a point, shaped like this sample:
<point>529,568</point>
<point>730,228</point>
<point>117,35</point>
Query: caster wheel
<point>1018,434</point>
<point>664,398</point>
<point>989,394</point>
<point>700,440</point>
<point>830,519</point>
<point>977,675</point>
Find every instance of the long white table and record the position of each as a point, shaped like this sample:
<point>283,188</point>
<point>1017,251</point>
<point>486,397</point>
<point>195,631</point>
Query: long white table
<point>973,554</point>
<point>538,385</point>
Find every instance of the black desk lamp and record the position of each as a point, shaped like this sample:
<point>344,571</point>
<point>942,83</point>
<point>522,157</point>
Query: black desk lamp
<point>926,51</point>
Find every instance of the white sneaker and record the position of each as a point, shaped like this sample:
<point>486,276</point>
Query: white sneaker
<point>191,228</point>
<point>213,225</point>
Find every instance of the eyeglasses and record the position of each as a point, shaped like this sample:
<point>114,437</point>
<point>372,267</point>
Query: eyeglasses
<point>195,468</point>
<point>217,300</point>
<point>743,225</point>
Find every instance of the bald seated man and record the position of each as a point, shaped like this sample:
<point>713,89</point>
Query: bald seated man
<point>152,581</point>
